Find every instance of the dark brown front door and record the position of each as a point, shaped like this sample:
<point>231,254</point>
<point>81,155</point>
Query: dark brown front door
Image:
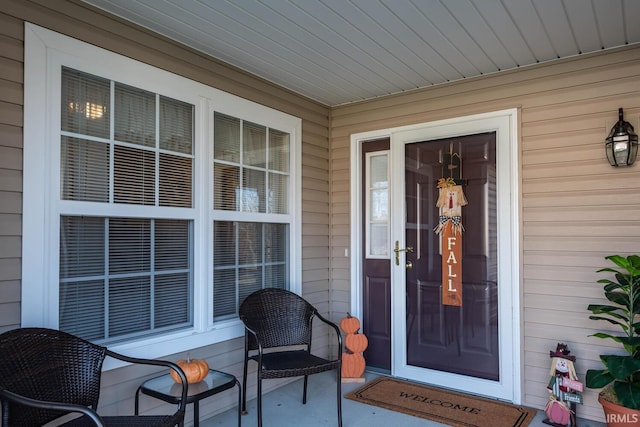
<point>461,340</point>
<point>376,283</point>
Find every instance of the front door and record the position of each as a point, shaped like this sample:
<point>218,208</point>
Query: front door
<point>472,346</point>
<point>460,339</point>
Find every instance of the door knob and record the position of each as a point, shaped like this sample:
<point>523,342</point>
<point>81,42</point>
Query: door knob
<point>397,251</point>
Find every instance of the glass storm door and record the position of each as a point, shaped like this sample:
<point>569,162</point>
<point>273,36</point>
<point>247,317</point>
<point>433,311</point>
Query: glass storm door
<point>457,346</point>
<point>457,339</point>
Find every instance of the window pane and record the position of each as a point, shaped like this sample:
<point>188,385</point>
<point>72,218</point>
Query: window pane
<point>226,180</point>
<point>84,170</point>
<point>135,115</point>
<point>176,125</point>
<point>278,150</point>
<point>172,244</point>
<point>225,303</point>
<point>278,199</point>
<point>134,175</point>
<point>176,181</point>
<point>276,242</point>
<point>85,104</point>
<point>255,145</point>
<point>172,300</point>
<point>253,190</point>
<point>82,308</point>
<point>227,138</point>
<point>378,239</point>
<point>378,171</point>
<point>276,276</point>
<point>262,261</point>
<point>224,243</point>
<point>129,245</point>
<point>249,243</point>
<point>276,254</point>
<point>82,246</point>
<point>82,276</point>
<point>129,305</point>
<point>172,292</point>
<point>249,281</point>
<point>379,205</point>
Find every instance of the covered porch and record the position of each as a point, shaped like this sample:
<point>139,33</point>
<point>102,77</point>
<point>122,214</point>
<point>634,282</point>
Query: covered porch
<point>283,408</point>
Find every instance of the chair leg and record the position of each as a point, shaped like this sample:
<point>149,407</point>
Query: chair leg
<point>259,401</point>
<point>304,390</point>
<point>244,388</point>
<point>339,381</point>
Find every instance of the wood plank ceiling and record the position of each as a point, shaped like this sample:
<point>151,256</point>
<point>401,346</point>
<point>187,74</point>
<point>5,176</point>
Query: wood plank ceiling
<point>342,51</point>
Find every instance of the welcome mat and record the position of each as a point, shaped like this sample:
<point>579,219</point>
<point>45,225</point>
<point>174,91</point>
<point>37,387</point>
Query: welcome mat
<point>443,406</point>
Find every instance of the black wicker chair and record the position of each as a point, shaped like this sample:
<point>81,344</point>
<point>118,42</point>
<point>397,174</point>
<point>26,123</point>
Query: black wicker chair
<point>280,320</point>
<point>45,374</point>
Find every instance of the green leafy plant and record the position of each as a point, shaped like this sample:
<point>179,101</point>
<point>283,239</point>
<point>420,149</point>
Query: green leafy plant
<point>622,371</point>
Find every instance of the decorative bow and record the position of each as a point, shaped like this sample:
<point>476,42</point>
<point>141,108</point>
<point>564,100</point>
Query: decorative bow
<point>456,222</point>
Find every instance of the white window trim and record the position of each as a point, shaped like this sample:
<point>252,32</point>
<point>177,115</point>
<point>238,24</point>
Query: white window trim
<point>45,52</point>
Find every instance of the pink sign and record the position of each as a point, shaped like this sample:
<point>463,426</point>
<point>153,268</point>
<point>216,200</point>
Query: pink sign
<point>572,384</point>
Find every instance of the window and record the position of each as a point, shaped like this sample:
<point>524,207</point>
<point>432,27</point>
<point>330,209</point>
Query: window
<point>153,204</point>
<point>123,277</point>
<point>377,210</point>
<point>251,178</point>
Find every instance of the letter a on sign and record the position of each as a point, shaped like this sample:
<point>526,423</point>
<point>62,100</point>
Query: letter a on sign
<point>450,202</point>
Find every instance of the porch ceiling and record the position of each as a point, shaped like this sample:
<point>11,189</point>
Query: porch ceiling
<point>342,51</point>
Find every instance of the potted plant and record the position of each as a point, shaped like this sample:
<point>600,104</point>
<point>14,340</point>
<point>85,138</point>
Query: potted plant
<point>621,376</point>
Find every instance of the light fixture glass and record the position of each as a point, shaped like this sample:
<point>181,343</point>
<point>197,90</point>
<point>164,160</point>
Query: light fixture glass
<point>621,145</point>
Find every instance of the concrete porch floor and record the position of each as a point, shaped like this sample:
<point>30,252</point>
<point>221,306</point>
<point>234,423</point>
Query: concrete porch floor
<point>283,408</point>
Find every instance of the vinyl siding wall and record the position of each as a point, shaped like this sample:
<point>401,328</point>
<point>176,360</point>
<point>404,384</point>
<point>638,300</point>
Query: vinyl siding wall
<point>78,20</point>
<point>575,208</point>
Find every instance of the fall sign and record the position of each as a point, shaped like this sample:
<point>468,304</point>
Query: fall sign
<point>450,201</point>
<point>451,266</point>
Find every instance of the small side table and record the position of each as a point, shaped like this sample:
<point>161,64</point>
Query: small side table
<point>164,388</point>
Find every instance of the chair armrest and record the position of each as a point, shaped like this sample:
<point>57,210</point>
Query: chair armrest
<point>335,327</point>
<point>248,331</point>
<point>171,365</point>
<point>57,406</point>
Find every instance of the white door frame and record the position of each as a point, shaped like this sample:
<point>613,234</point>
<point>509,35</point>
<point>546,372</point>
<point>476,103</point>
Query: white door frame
<point>505,123</point>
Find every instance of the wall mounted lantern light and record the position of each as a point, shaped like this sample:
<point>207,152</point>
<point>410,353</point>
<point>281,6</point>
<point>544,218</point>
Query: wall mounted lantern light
<point>621,145</point>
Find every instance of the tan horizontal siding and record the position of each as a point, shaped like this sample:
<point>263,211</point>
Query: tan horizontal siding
<point>11,78</point>
<point>575,208</point>
<point>76,19</point>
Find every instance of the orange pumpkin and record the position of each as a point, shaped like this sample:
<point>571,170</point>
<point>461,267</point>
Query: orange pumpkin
<point>349,324</point>
<point>356,342</point>
<point>195,370</point>
<point>352,365</point>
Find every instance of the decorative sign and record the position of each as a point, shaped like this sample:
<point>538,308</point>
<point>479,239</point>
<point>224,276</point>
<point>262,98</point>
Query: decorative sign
<point>450,201</point>
<point>572,397</point>
<point>572,384</point>
<point>564,388</point>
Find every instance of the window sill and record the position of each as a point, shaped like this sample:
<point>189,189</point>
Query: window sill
<point>163,347</point>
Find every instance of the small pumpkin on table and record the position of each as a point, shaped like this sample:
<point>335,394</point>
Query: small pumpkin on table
<point>195,370</point>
